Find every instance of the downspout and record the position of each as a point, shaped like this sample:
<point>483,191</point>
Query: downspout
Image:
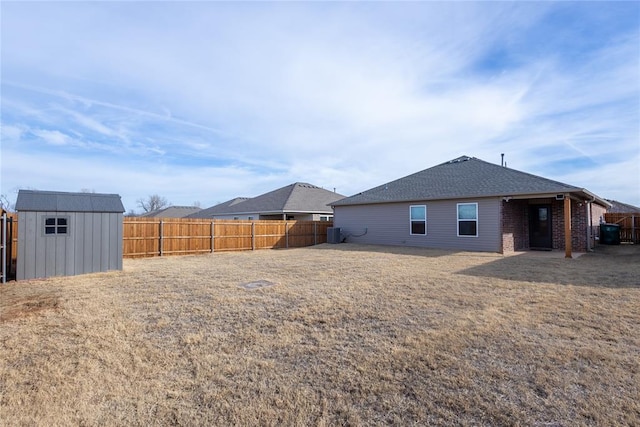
<point>589,224</point>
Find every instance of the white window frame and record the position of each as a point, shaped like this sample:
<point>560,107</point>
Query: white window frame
<point>411,220</point>
<point>467,219</point>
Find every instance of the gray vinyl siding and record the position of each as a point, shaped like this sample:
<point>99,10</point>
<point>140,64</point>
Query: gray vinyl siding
<point>278,216</point>
<point>243,217</point>
<point>388,224</point>
<point>93,243</point>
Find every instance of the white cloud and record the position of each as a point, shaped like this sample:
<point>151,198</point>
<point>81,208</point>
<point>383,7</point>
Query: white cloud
<point>52,137</point>
<point>345,95</point>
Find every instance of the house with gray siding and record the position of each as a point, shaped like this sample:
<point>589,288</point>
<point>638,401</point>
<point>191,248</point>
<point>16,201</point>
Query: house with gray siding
<point>65,234</point>
<point>172,212</point>
<point>472,205</point>
<point>298,202</point>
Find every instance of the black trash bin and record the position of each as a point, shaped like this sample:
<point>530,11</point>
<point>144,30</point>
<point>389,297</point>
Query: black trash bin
<point>610,234</point>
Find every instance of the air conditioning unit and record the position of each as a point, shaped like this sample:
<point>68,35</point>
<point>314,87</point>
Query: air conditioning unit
<point>559,196</point>
<point>333,235</point>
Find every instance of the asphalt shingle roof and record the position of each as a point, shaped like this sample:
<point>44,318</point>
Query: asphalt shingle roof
<point>619,207</point>
<point>296,197</point>
<point>219,209</point>
<point>55,201</point>
<point>173,212</point>
<point>464,177</point>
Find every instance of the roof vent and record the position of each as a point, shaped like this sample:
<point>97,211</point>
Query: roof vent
<point>460,159</point>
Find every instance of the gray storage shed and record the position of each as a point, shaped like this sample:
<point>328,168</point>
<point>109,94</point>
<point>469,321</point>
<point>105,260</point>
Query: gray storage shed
<point>65,234</point>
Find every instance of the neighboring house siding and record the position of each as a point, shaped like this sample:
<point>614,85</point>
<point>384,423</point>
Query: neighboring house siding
<point>237,216</point>
<point>597,214</point>
<point>388,224</point>
<point>278,217</point>
<point>93,243</point>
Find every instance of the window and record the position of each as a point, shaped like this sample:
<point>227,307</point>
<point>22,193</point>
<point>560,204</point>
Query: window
<point>56,225</point>
<point>326,218</point>
<point>467,219</point>
<point>418,219</point>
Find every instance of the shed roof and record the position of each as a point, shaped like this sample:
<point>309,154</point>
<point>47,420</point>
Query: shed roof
<point>464,177</point>
<point>56,201</point>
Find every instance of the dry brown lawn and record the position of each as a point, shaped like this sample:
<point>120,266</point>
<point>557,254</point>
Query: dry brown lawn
<point>350,335</point>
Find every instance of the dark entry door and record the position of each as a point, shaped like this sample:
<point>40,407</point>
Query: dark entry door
<point>540,227</point>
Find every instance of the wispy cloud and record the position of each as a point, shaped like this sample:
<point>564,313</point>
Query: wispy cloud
<point>344,95</point>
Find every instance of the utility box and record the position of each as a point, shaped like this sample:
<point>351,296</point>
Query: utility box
<point>333,235</point>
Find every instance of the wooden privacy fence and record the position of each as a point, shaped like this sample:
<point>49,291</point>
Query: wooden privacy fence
<point>8,245</point>
<point>629,225</point>
<point>149,237</point>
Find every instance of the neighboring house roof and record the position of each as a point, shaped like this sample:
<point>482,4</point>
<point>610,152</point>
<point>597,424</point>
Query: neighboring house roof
<point>296,197</point>
<point>172,212</point>
<point>619,207</point>
<point>218,209</point>
<point>55,201</point>
<point>464,177</point>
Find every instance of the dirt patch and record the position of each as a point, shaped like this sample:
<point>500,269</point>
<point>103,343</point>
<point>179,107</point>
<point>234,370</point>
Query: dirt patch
<point>31,306</point>
<point>258,284</point>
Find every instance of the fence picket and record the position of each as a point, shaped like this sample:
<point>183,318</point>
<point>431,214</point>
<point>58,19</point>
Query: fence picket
<point>149,237</point>
<point>629,225</point>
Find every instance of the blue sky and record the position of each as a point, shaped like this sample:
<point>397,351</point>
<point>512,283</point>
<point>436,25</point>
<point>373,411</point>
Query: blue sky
<point>206,101</point>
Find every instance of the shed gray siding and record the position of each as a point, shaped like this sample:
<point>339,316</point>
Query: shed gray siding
<point>388,224</point>
<point>93,244</point>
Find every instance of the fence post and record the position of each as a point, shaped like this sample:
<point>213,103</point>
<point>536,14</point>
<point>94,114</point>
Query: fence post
<point>286,234</point>
<point>253,235</point>
<point>212,237</point>
<point>4,247</point>
<point>160,239</point>
<point>315,233</point>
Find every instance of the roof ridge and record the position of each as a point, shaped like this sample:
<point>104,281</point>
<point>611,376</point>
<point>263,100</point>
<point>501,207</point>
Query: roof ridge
<point>67,193</point>
<point>462,177</point>
<point>293,188</point>
<point>529,174</point>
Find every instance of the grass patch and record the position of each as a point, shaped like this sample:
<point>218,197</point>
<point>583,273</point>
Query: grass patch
<point>351,335</point>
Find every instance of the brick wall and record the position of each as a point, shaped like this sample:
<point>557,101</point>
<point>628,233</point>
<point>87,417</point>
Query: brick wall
<point>515,224</point>
<point>579,225</point>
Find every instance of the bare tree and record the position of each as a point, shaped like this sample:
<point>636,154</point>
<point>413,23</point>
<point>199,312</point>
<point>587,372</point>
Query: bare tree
<point>5,203</point>
<point>152,203</point>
